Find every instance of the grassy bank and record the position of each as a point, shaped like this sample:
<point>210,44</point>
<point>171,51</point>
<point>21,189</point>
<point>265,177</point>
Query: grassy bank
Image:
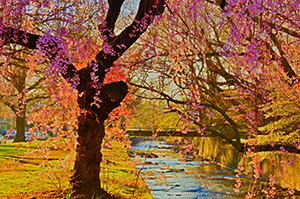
<point>43,171</point>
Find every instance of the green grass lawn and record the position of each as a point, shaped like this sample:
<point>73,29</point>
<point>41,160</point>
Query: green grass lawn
<point>12,149</point>
<point>26,169</point>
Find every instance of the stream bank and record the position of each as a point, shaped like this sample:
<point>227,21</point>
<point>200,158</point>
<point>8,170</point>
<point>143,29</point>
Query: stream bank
<point>283,165</point>
<point>167,175</point>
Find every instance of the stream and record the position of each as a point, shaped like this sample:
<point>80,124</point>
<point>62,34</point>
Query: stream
<point>169,176</point>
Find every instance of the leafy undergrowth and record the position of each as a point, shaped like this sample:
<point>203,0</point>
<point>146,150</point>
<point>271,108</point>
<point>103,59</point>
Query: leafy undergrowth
<point>41,170</point>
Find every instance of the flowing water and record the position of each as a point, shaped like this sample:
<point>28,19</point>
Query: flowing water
<point>169,176</point>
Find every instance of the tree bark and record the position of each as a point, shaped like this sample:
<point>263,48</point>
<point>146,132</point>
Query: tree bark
<point>86,181</point>
<point>20,127</point>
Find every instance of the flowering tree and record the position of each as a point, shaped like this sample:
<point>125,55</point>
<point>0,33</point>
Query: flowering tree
<point>219,61</point>
<point>95,99</point>
<point>21,85</point>
<point>56,115</point>
<point>222,58</point>
<point>265,53</point>
<point>234,69</point>
<point>183,67</point>
<point>266,39</point>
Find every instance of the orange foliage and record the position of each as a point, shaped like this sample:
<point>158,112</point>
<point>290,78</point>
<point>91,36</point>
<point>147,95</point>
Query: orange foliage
<point>61,114</point>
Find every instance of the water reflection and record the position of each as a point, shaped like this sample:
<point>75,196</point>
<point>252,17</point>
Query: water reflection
<point>168,176</point>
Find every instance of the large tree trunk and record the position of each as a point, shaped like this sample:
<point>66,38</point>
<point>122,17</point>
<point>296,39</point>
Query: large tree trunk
<point>20,127</point>
<point>86,181</point>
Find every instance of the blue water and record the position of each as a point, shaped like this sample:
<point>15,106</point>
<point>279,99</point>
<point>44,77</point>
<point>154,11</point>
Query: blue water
<point>169,176</point>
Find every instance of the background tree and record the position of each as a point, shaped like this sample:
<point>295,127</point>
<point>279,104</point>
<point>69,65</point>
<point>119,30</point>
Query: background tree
<point>217,73</point>
<point>182,65</point>
<point>23,77</point>
<point>265,55</point>
<point>56,116</point>
<point>150,114</point>
<point>95,99</point>
<point>21,85</point>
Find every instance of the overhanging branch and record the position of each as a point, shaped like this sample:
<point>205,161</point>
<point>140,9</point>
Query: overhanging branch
<point>32,41</point>
<point>117,45</point>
